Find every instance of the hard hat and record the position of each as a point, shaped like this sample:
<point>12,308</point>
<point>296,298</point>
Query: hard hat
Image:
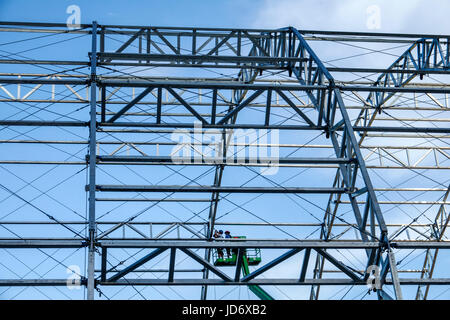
<point>220,231</point>
<point>227,231</point>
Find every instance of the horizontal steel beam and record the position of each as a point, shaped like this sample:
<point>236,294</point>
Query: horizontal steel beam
<point>280,127</point>
<point>223,85</point>
<point>232,243</point>
<point>268,80</point>
<point>217,160</point>
<point>147,223</point>
<point>258,86</point>
<point>37,243</point>
<point>294,282</point>
<point>42,123</point>
<point>152,200</point>
<point>204,30</point>
<point>280,244</point>
<point>36,282</point>
<point>222,189</point>
<point>218,282</point>
<point>38,123</point>
<point>312,166</point>
<point>198,58</point>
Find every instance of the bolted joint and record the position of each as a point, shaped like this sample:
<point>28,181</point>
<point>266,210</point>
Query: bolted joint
<point>324,228</point>
<point>385,244</point>
<point>327,132</point>
<point>93,78</point>
<point>350,190</point>
<point>83,281</point>
<point>379,109</point>
<point>88,157</point>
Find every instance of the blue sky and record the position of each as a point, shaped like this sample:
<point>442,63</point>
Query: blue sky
<point>179,13</point>
<point>396,16</point>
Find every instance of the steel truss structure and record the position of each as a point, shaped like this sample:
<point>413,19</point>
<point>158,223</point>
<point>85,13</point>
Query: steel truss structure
<point>360,150</point>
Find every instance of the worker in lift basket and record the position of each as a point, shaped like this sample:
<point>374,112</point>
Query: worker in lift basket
<point>228,236</point>
<point>219,235</point>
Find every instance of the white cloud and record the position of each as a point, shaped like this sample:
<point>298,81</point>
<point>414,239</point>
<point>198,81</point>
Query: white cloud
<point>415,16</point>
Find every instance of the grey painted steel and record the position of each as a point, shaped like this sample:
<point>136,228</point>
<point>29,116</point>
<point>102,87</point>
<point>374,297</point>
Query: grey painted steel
<point>278,282</point>
<point>145,188</point>
<point>218,282</point>
<point>217,160</point>
<point>282,244</point>
<point>274,244</point>
<point>92,164</point>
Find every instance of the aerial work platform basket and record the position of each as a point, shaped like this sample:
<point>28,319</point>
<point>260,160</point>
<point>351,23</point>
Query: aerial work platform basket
<point>250,257</point>
<point>253,256</point>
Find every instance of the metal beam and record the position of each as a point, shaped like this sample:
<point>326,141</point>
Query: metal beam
<point>92,153</point>
<point>276,282</point>
<point>180,188</point>
<point>220,160</point>
<point>282,244</point>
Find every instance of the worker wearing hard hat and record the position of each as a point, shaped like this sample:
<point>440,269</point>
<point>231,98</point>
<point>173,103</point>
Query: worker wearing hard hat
<point>228,236</point>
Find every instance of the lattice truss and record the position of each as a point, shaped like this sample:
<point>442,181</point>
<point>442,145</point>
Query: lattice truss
<point>355,125</point>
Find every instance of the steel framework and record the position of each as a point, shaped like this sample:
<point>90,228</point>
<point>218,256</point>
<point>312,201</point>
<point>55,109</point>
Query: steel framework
<point>361,157</point>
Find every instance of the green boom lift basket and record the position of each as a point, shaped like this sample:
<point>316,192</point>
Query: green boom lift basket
<point>253,256</point>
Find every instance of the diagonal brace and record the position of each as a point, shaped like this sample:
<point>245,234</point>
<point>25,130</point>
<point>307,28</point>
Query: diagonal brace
<point>137,264</point>
<point>129,105</point>
<point>240,107</point>
<point>338,264</point>
<point>293,106</point>
<point>206,264</point>
<point>271,264</point>
<point>187,105</point>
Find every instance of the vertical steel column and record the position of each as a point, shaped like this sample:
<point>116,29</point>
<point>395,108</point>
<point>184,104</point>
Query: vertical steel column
<point>92,158</point>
